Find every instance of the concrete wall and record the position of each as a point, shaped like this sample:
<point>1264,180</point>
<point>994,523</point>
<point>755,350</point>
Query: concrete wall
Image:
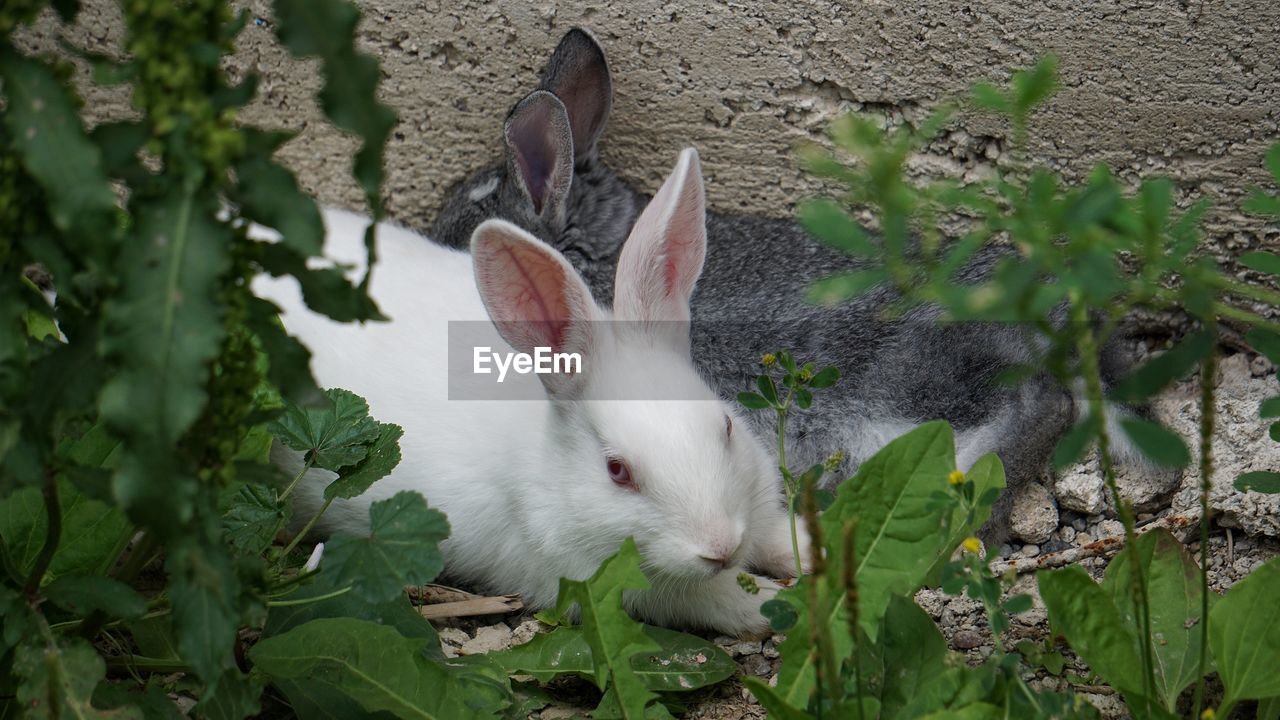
<point>1185,88</point>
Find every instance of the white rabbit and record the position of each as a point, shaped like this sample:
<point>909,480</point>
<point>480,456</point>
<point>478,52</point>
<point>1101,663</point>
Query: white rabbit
<point>539,489</point>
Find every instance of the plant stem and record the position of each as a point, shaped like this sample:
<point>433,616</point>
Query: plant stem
<point>305,601</point>
<point>143,550</point>
<point>53,535</point>
<point>311,460</point>
<point>147,664</point>
<point>819,634</point>
<point>1087,348</point>
<point>1208,412</point>
<point>787,480</point>
<point>284,554</point>
<point>850,581</point>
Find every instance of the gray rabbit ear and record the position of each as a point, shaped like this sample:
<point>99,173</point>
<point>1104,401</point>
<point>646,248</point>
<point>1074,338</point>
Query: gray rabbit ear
<point>540,153</point>
<point>578,74</point>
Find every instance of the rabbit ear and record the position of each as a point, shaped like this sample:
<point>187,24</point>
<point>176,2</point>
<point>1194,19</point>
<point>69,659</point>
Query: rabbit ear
<point>534,297</point>
<point>540,152</point>
<point>578,74</point>
<point>662,258</point>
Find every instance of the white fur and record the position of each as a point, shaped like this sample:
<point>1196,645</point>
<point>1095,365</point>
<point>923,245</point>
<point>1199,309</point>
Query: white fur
<point>524,483</point>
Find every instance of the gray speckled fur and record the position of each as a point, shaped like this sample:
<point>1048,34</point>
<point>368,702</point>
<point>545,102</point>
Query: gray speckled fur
<point>751,300</point>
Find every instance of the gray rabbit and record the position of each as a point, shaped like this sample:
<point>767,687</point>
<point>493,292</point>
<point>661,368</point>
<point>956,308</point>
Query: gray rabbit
<point>751,298</point>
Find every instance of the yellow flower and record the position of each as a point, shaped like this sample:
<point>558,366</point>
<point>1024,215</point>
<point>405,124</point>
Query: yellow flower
<point>1208,714</point>
<point>956,477</point>
<point>769,359</point>
<point>972,545</point>
<point>834,461</point>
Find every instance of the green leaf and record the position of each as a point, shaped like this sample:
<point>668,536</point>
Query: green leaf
<point>235,696</point>
<point>1265,342</point>
<point>1034,86</point>
<point>1261,261</point>
<point>205,592</point>
<point>45,130</point>
<point>1096,629</point>
<point>326,290</point>
<point>988,96</point>
<point>769,698</point>
<point>268,194</point>
<point>767,389</point>
<point>613,636</point>
<point>837,288</point>
<point>83,594</point>
<point>289,361</point>
<point>1244,633</point>
<point>752,401</point>
<point>370,664</point>
<point>1269,407</point>
<point>915,655</point>
<point>825,378</point>
<point>165,327</point>
<point>398,613</point>
<point>402,549</point>
<point>827,221</point>
<point>681,662</point>
<point>58,682</point>
<point>1159,444</point>
<point>336,436</point>
<point>383,457</point>
<point>1261,481</point>
<point>1173,586</point>
<point>251,517</point>
<point>91,531</point>
<point>327,29</point>
<point>1269,708</point>
<point>1170,366</point>
<point>897,542</point>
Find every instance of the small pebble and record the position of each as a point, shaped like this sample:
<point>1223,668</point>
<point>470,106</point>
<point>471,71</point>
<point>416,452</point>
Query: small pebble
<point>1067,533</point>
<point>756,665</point>
<point>966,640</point>
<point>1006,550</point>
<point>1030,551</point>
<point>490,638</point>
<point>769,649</point>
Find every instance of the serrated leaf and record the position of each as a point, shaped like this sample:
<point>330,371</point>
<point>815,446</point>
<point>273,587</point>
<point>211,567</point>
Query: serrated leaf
<point>1260,481</point>
<point>1173,586</point>
<point>288,360</point>
<point>268,194</point>
<point>251,517</point>
<point>58,681</point>
<point>1168,367</point>
<point>1244,634</point>
<point>371,664</point>
<point>383,457</point>
<point>681,662</point>
<point>336,436</point>
<point>45,129</point>
<point>326,290</point>
<point>83,594</point>
<point>164,328</point>
<point>1158,443</point>
<point>91,531</point>
<point>402,549</point>
<point>612,635</point>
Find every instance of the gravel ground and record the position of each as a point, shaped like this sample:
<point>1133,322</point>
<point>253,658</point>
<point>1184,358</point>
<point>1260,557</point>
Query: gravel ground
<point>1062,516</point>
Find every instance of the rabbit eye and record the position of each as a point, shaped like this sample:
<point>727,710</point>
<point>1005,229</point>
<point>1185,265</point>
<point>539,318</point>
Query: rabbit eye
<point>620,473</point>
<point>728,427</point>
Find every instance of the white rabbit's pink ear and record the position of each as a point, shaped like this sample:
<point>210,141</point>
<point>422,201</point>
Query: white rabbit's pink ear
<point>540,153</point>
<point>578,74</point>
<point>534,297</point>
<point>662,258</point>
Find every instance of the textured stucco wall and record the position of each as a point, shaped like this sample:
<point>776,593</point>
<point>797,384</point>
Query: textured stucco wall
<point>1186,88</point>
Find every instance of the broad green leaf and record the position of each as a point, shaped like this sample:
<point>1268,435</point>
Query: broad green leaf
<point>402,549</point>
<point>335,436</point>
<point>235,696</point>
<point>613,636</point>
<point>371,664</point>
<point>682,662</point>
<point>327,29</point>
<point>1096,629</point>
<point>251,516</point>
<point>1261,481</point>
<point>1269,708</point>
<point>1173,585</point>
<point>205,592</point>
<point>1244,633</point>
<point>976,711</point>
<point>164,328</point>
<point>767,389</point>
<point>1265,342</point>
<point>752,401</point>
<point>82,594</point>
<point>1158,443</point>
<point>288,361</point>
<point>825,378</point>
<point>398,613</point>
<point>91,531</point>
<point>837,288</point>
<point>1168,367</point>
<point>58,682</point>
<point>897,542</point>
<point>45,130</point>
<point>915,656</point>
<point>827,220</point>
<point>383,457</point>
<point>326,290</point>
